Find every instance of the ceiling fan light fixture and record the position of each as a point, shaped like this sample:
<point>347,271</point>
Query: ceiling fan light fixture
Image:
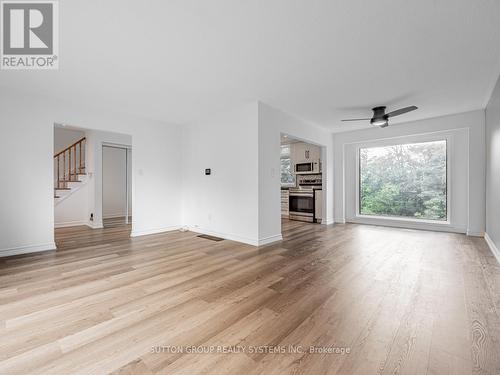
<point>379,121</point>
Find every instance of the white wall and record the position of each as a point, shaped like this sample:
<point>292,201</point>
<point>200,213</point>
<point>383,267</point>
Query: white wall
<point>225,203</point>
<point>273,122</point>
<point>27,209</point>
<point>26,164</point>
<point>493,168</point>
<point>466,134</point>
<point>73,210</point>
<point>241,199</point>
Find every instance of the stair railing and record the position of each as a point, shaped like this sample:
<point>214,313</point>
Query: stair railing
<point>73,163</point>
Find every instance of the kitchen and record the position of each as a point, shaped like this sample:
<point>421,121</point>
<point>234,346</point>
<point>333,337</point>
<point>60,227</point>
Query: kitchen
<point>301,180</point>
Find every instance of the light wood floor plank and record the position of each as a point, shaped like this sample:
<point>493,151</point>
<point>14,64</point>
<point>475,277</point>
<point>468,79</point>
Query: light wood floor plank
<point>399,301</point>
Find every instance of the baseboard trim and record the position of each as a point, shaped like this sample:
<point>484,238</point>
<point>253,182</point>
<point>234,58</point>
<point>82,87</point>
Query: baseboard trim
<point>226,236</point>
<point>27,249</point>
<point>94,225</point>
<point>339,221</point>
<point>71,224</point>
<point>269,240</point>
<point>475,234</point>
<point>147,232</point>
<point>327,221</point>
<point>492,246</point>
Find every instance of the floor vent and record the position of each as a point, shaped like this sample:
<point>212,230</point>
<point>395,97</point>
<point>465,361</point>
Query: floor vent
<point>211,238</point>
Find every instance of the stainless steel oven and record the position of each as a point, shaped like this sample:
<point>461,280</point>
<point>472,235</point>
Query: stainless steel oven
<point>301,202</point>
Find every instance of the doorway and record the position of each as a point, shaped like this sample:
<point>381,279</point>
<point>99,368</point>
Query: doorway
<point>116,185</point>
<point>302,182</point>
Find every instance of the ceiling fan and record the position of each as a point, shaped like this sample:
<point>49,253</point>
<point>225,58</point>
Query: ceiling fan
<point>380,118</point>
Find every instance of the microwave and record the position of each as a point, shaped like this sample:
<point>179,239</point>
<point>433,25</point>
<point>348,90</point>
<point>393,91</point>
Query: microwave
<point>308,168</point>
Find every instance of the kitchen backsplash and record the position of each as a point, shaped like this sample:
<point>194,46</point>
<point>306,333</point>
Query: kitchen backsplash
<point>310,179</point>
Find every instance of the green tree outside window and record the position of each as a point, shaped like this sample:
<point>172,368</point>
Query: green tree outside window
<point>407,180</point>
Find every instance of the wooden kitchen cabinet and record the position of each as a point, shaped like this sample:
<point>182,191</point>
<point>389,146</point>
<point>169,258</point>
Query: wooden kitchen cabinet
<point>318,206</point>
<point>305,152</point>
<point>285,194</point>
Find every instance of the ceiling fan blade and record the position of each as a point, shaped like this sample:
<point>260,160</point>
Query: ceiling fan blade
<point>356,119</point>
<point>398,112</point>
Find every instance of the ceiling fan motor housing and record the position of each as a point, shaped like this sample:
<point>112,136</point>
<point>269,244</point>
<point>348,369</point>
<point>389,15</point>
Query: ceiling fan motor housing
<point>379,112</point>
<point>379,117</point>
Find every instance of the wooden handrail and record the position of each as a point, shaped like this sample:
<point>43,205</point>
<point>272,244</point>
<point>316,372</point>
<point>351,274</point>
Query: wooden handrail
<point>70,169</point>
<point>67,148</point>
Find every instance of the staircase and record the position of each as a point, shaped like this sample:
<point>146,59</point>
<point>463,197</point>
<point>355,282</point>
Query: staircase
<point>69,167</point>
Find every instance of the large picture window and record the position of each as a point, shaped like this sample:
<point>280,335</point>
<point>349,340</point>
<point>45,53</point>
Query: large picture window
<point>405,180</point>
<point>287,175</point>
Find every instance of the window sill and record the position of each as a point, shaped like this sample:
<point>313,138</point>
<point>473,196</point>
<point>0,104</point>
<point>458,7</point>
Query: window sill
<point>442,226</point>
<point>404,219</point>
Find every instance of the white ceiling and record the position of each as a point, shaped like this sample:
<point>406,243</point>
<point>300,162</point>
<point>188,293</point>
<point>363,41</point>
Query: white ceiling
<point>322,60</point>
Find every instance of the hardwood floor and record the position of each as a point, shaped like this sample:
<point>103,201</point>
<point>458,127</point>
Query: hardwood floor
<point>383,300</point>
<point>116,221</point>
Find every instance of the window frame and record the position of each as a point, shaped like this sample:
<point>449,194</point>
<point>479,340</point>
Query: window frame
<point>406,141</point>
